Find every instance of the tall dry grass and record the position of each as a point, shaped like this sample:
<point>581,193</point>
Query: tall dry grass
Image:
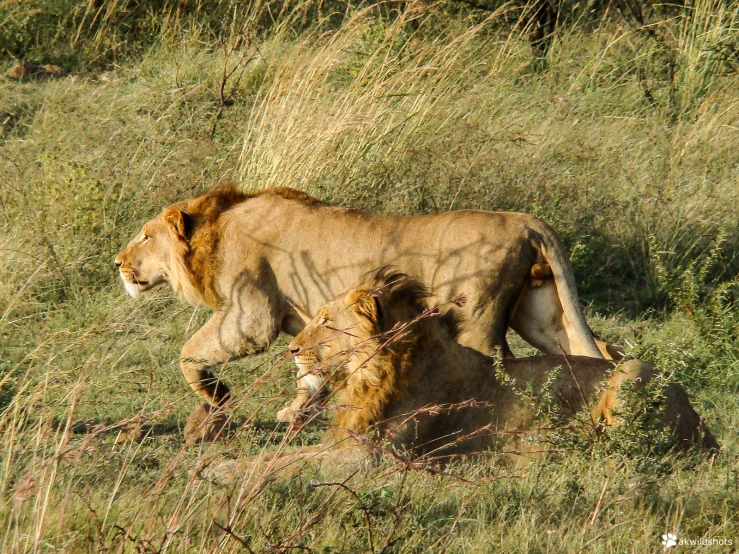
<point>369,89</point>
<point>414,112</point>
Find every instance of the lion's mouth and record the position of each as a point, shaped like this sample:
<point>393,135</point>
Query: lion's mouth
<point>303,364</point>
<point>134,286</point>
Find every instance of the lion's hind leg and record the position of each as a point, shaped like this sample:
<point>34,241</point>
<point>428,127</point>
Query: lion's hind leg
<point>685,422</point>
<point>540,320</point>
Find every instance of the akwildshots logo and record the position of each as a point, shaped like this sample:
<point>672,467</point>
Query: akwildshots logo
<point>670,539</point>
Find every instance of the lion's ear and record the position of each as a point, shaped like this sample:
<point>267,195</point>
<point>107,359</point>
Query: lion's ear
<point>176,219</point>
<point>364,305</point>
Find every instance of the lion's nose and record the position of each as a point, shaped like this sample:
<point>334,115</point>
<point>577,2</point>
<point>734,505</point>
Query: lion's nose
<point>294,349</point>
<point>117,262</point>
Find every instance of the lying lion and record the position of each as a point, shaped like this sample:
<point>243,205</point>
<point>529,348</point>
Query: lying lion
<point>399,376</point>
<point>266,263</point>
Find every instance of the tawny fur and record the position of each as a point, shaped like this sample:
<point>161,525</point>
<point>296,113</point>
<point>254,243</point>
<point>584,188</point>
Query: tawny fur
<point>369,379</point>
<point>196,264</point>
<point>266,262</point>
<point>395,366</point>
<point>200,248</point>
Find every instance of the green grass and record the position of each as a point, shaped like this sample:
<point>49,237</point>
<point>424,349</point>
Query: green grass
<point>634,165</point>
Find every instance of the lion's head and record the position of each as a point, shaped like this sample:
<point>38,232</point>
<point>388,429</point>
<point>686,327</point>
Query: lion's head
<point>352,325</point>
<point>177,247</point>
<point>349,341</point>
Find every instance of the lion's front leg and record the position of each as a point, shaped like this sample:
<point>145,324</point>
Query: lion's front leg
<point>310,387</point>
<point>223,338</point>
<point>204,351</point>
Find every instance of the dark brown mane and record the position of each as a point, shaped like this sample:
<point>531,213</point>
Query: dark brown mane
<point>400,300</point>
<point>213,202</point>
<point>208,206</point>
<point>202,215</point>
<point>404,299</point>
<point>202,220</point>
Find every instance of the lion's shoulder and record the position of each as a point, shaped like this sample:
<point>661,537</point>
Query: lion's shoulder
<point>205,227</point>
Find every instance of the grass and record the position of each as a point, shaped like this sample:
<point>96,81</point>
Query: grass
<point>626,143</point>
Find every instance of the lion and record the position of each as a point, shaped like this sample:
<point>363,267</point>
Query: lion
<point>266,262</point>
<point>399,376</point>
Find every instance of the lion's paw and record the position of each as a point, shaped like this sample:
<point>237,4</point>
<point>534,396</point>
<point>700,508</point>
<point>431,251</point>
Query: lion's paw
<point>206,423</point>
<point>287,415</point>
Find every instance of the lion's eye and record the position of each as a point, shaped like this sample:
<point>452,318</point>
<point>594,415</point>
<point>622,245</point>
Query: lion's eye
<point>323,321</point>
<point>144,239</point>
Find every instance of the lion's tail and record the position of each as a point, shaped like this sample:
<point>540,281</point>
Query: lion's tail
<point>582,342</point>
